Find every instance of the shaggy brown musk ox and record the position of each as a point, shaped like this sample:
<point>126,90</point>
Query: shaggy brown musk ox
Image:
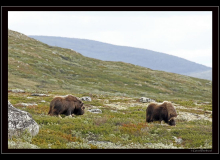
<point>161,111</point>
<point>67,105</point>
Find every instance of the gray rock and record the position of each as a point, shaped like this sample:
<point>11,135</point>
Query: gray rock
<point>19,121</point>
<point>26,104</point>
<point>95,110</point>
<point>29,97</point>
<point>86,98</point>
<point>145,100</point>
<point>178,140</point>
<point>17,91</point>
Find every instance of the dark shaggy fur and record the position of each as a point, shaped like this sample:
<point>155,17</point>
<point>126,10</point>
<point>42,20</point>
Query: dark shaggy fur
<point>161,111</point>
<point>66,105</point>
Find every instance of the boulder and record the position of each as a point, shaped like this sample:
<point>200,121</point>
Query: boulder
<point>29,97</point>
<point>26,104</point>
<point>145,100</point>
<point>16,91</point>
<point>95,110</point>
<point>178,140</point>
<point>86,98</point>
<point>20,121</point>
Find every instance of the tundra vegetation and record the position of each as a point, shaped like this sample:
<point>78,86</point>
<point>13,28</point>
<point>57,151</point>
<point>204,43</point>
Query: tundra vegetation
<point>115,88</point>
<point>121,124</point>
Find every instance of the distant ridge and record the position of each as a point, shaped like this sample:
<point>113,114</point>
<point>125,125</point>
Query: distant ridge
<point>142,57</point>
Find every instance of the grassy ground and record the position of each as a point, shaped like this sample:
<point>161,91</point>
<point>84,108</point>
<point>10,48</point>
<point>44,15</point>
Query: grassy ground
<point>120,125</point>
<point>115,88</point>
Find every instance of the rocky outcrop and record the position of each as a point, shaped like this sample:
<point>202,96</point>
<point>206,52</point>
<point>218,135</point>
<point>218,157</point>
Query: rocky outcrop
<point>26,104</point>
<point>16,91</point>
<point>20,121</point>
<point>86,98</point>
<point>95,110</point>
<point>146,100</point>
<point>186,116</point>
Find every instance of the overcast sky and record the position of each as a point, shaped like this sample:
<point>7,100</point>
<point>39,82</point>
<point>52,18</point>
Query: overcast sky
<point>183,34</point>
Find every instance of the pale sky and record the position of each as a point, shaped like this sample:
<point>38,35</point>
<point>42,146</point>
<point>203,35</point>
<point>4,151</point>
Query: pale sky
<point>180,33</point>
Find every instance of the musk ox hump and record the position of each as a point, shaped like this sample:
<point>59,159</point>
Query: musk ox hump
<point>71,98</point>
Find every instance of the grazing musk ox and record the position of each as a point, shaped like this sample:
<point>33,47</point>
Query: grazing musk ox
<point>67,105</point>
<point>161,111</point>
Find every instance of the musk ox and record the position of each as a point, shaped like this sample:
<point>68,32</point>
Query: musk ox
<point>67,105</point>
<point>161,111</point>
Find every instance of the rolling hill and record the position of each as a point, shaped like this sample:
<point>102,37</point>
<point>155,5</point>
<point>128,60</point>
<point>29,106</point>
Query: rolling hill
<point>142,57</point>
<point>33,65</point>
<point>115,89</point>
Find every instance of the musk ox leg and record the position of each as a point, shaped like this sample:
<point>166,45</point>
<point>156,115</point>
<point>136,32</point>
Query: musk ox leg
<point>59,116</point>
<point>69,113</point>
<point>49,113</point>
<point>148,119</point>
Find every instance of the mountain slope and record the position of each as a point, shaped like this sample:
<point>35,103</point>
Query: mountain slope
<point>33,65</point>
<point>202,74</point>
<point>137,56</point>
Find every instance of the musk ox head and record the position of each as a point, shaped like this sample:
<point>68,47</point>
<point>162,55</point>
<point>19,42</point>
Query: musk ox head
<point>79,109</point>
<point>172,121</point>
<point>171,112</point>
